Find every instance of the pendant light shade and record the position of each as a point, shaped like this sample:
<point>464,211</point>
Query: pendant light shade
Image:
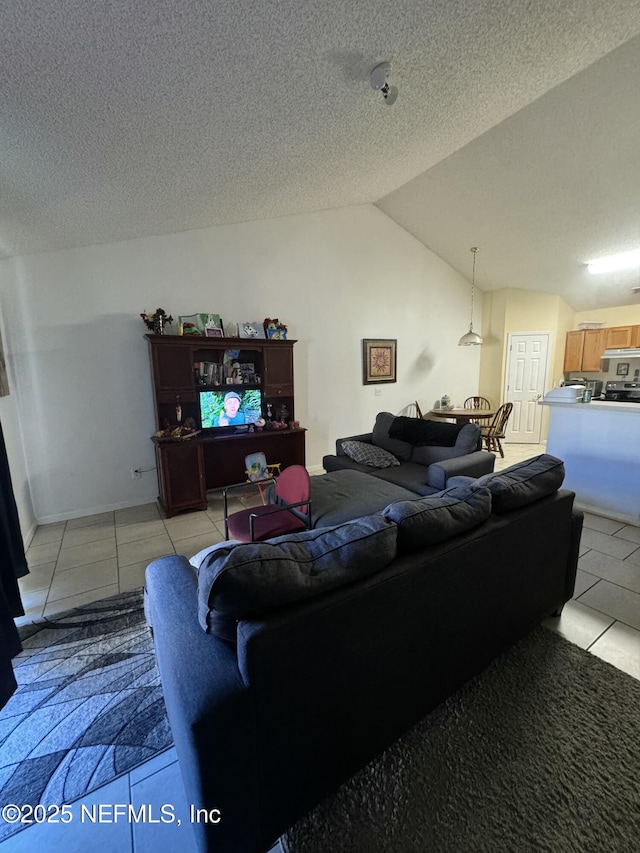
<point>471,338</point>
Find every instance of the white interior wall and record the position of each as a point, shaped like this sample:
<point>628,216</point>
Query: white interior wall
<point>9,406</point>
<point>334,277</point>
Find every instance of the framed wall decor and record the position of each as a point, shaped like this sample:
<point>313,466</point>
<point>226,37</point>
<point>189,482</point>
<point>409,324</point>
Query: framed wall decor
<point>623,369</point>
<point>378,361</point>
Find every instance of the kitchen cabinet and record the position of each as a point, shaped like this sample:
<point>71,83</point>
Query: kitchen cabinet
<point>583,350</point>
<point>574,347</point>
<point>594,346</point>
<point>619,337</point>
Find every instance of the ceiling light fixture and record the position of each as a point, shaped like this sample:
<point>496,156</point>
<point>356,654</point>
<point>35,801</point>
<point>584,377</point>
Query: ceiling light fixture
<point>471,338</point>
<point>380,82</point>
<point>623,261</point>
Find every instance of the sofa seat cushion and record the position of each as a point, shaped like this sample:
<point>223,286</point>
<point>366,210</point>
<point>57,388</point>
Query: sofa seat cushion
<point>427,521</point>
<point>369,454</point>
<point>341,496</point>
<point>409,476</point>
<point>523,483</point>
<point>241,581</point>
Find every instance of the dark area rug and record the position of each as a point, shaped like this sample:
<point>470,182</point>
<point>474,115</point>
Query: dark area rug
<point>539,753</point>
<point>88,707</point>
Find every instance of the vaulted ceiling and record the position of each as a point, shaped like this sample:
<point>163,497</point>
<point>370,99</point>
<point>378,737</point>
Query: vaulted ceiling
<point>516,127</point>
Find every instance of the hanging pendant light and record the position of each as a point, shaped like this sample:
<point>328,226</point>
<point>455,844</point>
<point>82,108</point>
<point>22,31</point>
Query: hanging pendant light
<point>471,338</point>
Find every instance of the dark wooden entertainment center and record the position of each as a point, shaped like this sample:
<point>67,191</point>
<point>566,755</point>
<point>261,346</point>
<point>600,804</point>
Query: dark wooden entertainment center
<point>187,468</point>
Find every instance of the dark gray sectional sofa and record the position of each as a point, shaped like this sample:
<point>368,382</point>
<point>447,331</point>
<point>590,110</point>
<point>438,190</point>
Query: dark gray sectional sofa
<point>287,665</point>
<point>431,453</point>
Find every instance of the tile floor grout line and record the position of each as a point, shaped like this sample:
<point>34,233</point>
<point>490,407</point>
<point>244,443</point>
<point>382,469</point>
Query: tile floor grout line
<point>601,635</point>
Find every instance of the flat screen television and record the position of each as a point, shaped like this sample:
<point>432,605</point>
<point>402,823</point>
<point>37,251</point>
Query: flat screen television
<point>230,407</point>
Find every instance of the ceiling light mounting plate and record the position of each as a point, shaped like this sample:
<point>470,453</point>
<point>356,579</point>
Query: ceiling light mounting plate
<point>380,82</point>
<point>380,75</point>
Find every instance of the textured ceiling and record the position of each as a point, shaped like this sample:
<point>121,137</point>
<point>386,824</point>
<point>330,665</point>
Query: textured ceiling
<point>124,119</point>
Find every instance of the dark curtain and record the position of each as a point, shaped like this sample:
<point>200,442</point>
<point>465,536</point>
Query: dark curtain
<point>13,565</point>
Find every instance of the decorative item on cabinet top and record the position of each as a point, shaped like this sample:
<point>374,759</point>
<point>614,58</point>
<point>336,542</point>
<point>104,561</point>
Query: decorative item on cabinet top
<point>251,329</point>
<point>274,330</point>
<point>179,432</point>
<point>156,322</point>
<point>201,325</point>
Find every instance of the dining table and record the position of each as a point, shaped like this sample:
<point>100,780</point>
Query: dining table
<point>463,416</point>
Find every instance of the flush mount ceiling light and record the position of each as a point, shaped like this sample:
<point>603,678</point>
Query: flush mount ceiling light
<point>471,338</point>
<point>623,261</point>
<point>380,82</point>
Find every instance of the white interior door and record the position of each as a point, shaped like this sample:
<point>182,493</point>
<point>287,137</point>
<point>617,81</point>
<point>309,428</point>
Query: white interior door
<point>527,369</point>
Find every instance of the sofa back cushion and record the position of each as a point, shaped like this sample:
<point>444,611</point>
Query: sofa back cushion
<point>380,437</point>
<point>467,441</point>
<point>240,581</point>
<point>433,519</point>
<point>418,431</point>
<point>523,483</point>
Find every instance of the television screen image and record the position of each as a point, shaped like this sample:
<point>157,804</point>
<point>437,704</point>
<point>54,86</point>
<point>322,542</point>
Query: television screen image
<point>230,407</point>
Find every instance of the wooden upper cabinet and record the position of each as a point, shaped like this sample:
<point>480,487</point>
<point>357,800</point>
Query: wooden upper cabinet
<point>619,337</point>
<point>278,370</point>
<point>594,346</point>
<point>635,338</point>
<point>573,351</point>
<point>172,367</point>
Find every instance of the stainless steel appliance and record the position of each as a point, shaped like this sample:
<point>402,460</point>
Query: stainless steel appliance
<point>595,386</point>
<point>622,392</point>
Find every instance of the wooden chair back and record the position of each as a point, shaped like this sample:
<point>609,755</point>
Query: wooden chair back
<point>497,429</point>
<point>477,403</point>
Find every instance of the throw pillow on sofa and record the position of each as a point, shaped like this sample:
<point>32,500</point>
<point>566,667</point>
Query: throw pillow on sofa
<point>240,581</point>
<point>438,517</point>
<point>369,454</point>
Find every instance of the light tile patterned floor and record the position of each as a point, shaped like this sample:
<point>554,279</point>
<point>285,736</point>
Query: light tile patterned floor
<point>85,559</point>
<point>89,558</point>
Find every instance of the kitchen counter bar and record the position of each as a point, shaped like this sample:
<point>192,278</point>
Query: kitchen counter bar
<point>599,443</point>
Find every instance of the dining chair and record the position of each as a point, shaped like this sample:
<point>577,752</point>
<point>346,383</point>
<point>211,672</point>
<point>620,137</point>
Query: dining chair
<point>418,410</point>
<point>477,403</point>
<point>492,434</point>
<point>288,511</point>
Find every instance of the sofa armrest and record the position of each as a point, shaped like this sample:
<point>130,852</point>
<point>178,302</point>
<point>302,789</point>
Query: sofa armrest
<point>366,438</point>
<point>471,465</point>
<point>209,708</point>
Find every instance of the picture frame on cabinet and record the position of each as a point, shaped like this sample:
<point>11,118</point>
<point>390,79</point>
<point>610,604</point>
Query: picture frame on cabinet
<point>277,334</point>
<point>211,325</point>
<point>379,358</point>
<point>204,325</point>
<point>622,369</point>
<point>189,325</point>
<point>250,330</point>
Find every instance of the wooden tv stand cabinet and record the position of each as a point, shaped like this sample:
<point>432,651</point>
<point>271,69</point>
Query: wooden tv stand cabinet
<point>186,469</point>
